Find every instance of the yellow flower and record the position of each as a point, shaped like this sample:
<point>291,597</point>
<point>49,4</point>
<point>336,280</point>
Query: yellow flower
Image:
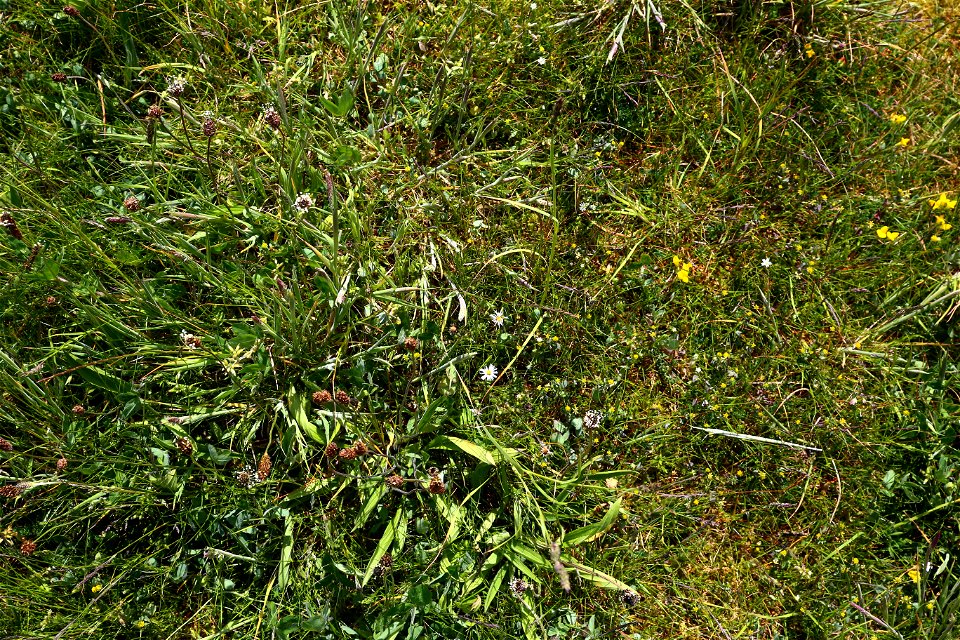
<point>943,202</point>
<point>683,275</point>
<point>935,238</point>
<point>897,118</point>
<point>914,575</point>
<point>140,624</point>
<point>904,142</point>
<point>884,232</point>
<point>944,225</point>
<point>96,588</point>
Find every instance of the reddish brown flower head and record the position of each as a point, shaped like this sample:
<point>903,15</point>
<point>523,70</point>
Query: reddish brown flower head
<point>394,481</point>
<point>209,127</point>
<point>322,397</point>
<point>263,469</point>
<point>5,445</point>
<point>59,76</point>
<point>78,410</point>
<point>360,448</point>
<point>348,454</point>
<point>436,485</point>
<point>8,223</point>
<point>342,397</point>
<point>71,11</point>
<point>411,344</point>
<point>185,445</point>
<point>131,203</point>
<point>27,547</point>
<point>118,220</point>
<point>154,111</point>
<point>11,490</point>
<point>272,118</point>
<point>61,464</point>
<point>332,450</point>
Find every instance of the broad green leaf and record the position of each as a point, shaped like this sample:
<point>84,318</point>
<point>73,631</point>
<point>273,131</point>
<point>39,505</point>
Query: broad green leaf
<point>595,530</point>
<point>383,546</point>
<point>286,553</point>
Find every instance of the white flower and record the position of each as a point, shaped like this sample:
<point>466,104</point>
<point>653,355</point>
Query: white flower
<point>303,202</point>
<point>497,318</point>
<point>488,373</point>
<point>766,263</point>
<point>541,61</point>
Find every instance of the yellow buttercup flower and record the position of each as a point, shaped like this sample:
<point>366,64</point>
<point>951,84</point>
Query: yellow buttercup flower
<point>944,225</point>
<point>904,142</point>
<point>943,202</point>
<point>683,275</point>
<point>884,232</point>
<point>96,588</point>
<point>935,238</point>
<point>897,118</point>
<point>914,575</point>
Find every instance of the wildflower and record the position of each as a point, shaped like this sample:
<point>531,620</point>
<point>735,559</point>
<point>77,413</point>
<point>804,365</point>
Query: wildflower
<point>497,318</point>
<point>61,464</point>
<point>176,86</point>
<point>914,575</point>
<point>629,598</point>
<point>209,127</point>
<point>943,202</point>
<point>59,77</point>
<point>395,481</point>
<point>5,445</point>
<point>541,61</point>
<point>592,419</point>
<point>436,485</point>
<point>97,588</point>
<point>944,225</point>
<point>184,445</point>
<point>411,344</point>
<point>271,117</point>
<point>766,263</point>
<point>303,202</point>
<point>8,223</point>
<point>140,624</point>
<point>935,238</point>
<point>331,450</point>
<point>518,586</point>
<point>131,203</point>
<point>264,466</point>
<point>154,111</point>
<point>683,269</point>
<point>71,11</point>
<point>189,340</point>
<point>488,373</point>
<point>78,410</point>
<point>897,118</point>
<point>321,397</point>
<point>342,397</point>
<point>904,142</point>
<point>348,454</point>
<point>884,232</point>
<point>808,50</point>
<point>27,547</point>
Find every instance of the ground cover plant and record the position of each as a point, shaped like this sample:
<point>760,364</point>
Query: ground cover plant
<point>623,319</point>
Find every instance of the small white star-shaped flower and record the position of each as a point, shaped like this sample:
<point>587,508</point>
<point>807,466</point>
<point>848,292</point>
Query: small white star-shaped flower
<point>488,373</point>
<point>303,202</point>
<point>766,263</point>
<point>497,318</point>
<point>541,61</point>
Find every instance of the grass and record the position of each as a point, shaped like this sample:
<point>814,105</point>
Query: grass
<point>253,256</point>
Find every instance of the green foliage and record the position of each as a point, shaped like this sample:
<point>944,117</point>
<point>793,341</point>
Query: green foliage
<point>261,259</point>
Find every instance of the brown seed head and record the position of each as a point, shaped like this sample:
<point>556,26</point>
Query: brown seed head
<point>11,490</point>
<point>263,469</point>
<point>27,547</point>
<point>8,223</point>
<point>386,561</point>
<point>59,76</point>
<point>342,396</point>
<point>271,117</point>
<point>394,481</point>
<point>78,410</point>
<point>131,203</point>
<point>61,464</point>
<point>436,485</point>
<point>348,454</point>
<point>71,11</point>
<point>411,344</point>
<point>322,397</point>
<point>209,127</point>
<point>154,111</point>
<point>5,445</point>
<point>332,450</point>
<point>360,448</point>
<point>185,445</point>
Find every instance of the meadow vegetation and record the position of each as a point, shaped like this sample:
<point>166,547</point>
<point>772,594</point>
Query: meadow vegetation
<point>617,319</point>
